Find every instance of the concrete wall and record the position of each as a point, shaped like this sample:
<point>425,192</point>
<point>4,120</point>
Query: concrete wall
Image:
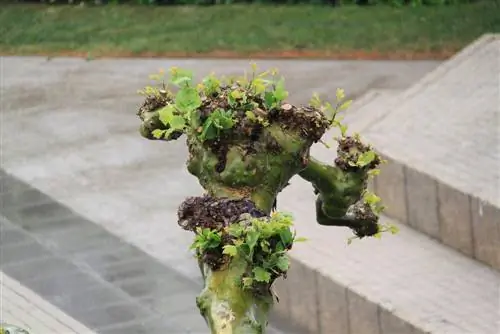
<point>458,220</point>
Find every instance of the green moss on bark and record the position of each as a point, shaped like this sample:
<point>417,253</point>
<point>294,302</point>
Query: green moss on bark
<point>245,143</point>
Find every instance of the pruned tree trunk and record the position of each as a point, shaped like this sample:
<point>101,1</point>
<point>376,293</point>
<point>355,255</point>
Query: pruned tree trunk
<point>245,144</point>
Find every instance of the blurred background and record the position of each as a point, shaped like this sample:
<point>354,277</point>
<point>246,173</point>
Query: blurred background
<point>89,241</point>
<point>358,29</point>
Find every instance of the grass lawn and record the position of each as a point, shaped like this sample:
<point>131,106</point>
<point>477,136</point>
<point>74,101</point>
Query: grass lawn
<point>251,30</point>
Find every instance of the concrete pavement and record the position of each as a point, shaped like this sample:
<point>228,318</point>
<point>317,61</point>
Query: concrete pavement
<point>88,273</point>
<point>69,130</point>
<point>445,154</point>
<point>21,307</point>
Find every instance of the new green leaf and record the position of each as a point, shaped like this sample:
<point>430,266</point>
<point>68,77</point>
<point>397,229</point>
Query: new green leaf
<point>230,250</point>
<point>252,238</point>
<point>158,134</point>
<point>283,263</point>
<point>166,113</point>
<point>180,77</point>
<point>280,93</point>
<point>366,158</point>
<point>177,122</point>
<point>261,275</point>
<point>187,99</point>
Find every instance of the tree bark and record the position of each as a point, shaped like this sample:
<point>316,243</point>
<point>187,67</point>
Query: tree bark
<point>242,168</point>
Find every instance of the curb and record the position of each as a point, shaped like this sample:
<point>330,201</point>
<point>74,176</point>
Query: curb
<point>458,220</point>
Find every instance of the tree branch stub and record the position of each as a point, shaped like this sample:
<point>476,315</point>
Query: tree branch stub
<point>245,143</point>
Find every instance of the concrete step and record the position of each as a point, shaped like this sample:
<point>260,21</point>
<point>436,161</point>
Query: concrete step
<point>369,108</point>
<point>364,111</point>
<point>443,149</point>
<point>401,284</point>
<point>104,171</point>
<point>439,186</point>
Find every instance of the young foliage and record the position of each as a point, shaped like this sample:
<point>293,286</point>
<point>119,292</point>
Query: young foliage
<point>181,77</point>
<point>187,100</point>
<point>213,108</point>
<point>263,243</point>
<point>206,239</point>
<point>217,122</point>
<point>363,159</point>
<point>170,117</point>
<point>185,115</point>
<point>211,85</point>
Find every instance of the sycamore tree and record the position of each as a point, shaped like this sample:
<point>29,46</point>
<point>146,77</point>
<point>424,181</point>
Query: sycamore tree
<point>245,143</point>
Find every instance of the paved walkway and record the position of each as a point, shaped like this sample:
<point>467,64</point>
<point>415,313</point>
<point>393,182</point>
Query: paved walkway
<point>95,277</point>
<point>120,264</point>
<point>112,255</point>
<point>19,306</point>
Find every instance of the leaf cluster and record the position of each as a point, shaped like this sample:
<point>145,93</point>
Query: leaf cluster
<point>261,242</point>
<point>374,202</point>
<point>206,239</point>
<point>360,157</point>
<point>186,112</point>
<point>341,104</point>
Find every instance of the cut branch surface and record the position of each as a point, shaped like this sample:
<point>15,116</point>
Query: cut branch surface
<point>245,143</point>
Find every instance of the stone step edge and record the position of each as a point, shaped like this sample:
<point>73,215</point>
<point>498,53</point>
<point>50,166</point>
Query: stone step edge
<point>433,76</point>
<point>334,317</point>
<point>374,105</point>
<point>461,221</point>
<point>363,100</point>
<point>314,298</point>
<point>359,116</point>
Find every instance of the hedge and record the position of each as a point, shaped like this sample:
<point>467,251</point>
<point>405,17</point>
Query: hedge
<point>223,2</point>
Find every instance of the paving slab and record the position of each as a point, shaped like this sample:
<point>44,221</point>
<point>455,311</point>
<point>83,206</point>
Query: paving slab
<point>95,277</point>
<point>80,143</point>
<point>23,308</point>
<point>369,109</point>
<point>95,295</point>
<point>406,280</point>
<point>70,131</point>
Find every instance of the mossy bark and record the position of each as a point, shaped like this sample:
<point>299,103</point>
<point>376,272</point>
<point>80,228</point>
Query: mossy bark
<point>242,166</point>
<point>227,307</point>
